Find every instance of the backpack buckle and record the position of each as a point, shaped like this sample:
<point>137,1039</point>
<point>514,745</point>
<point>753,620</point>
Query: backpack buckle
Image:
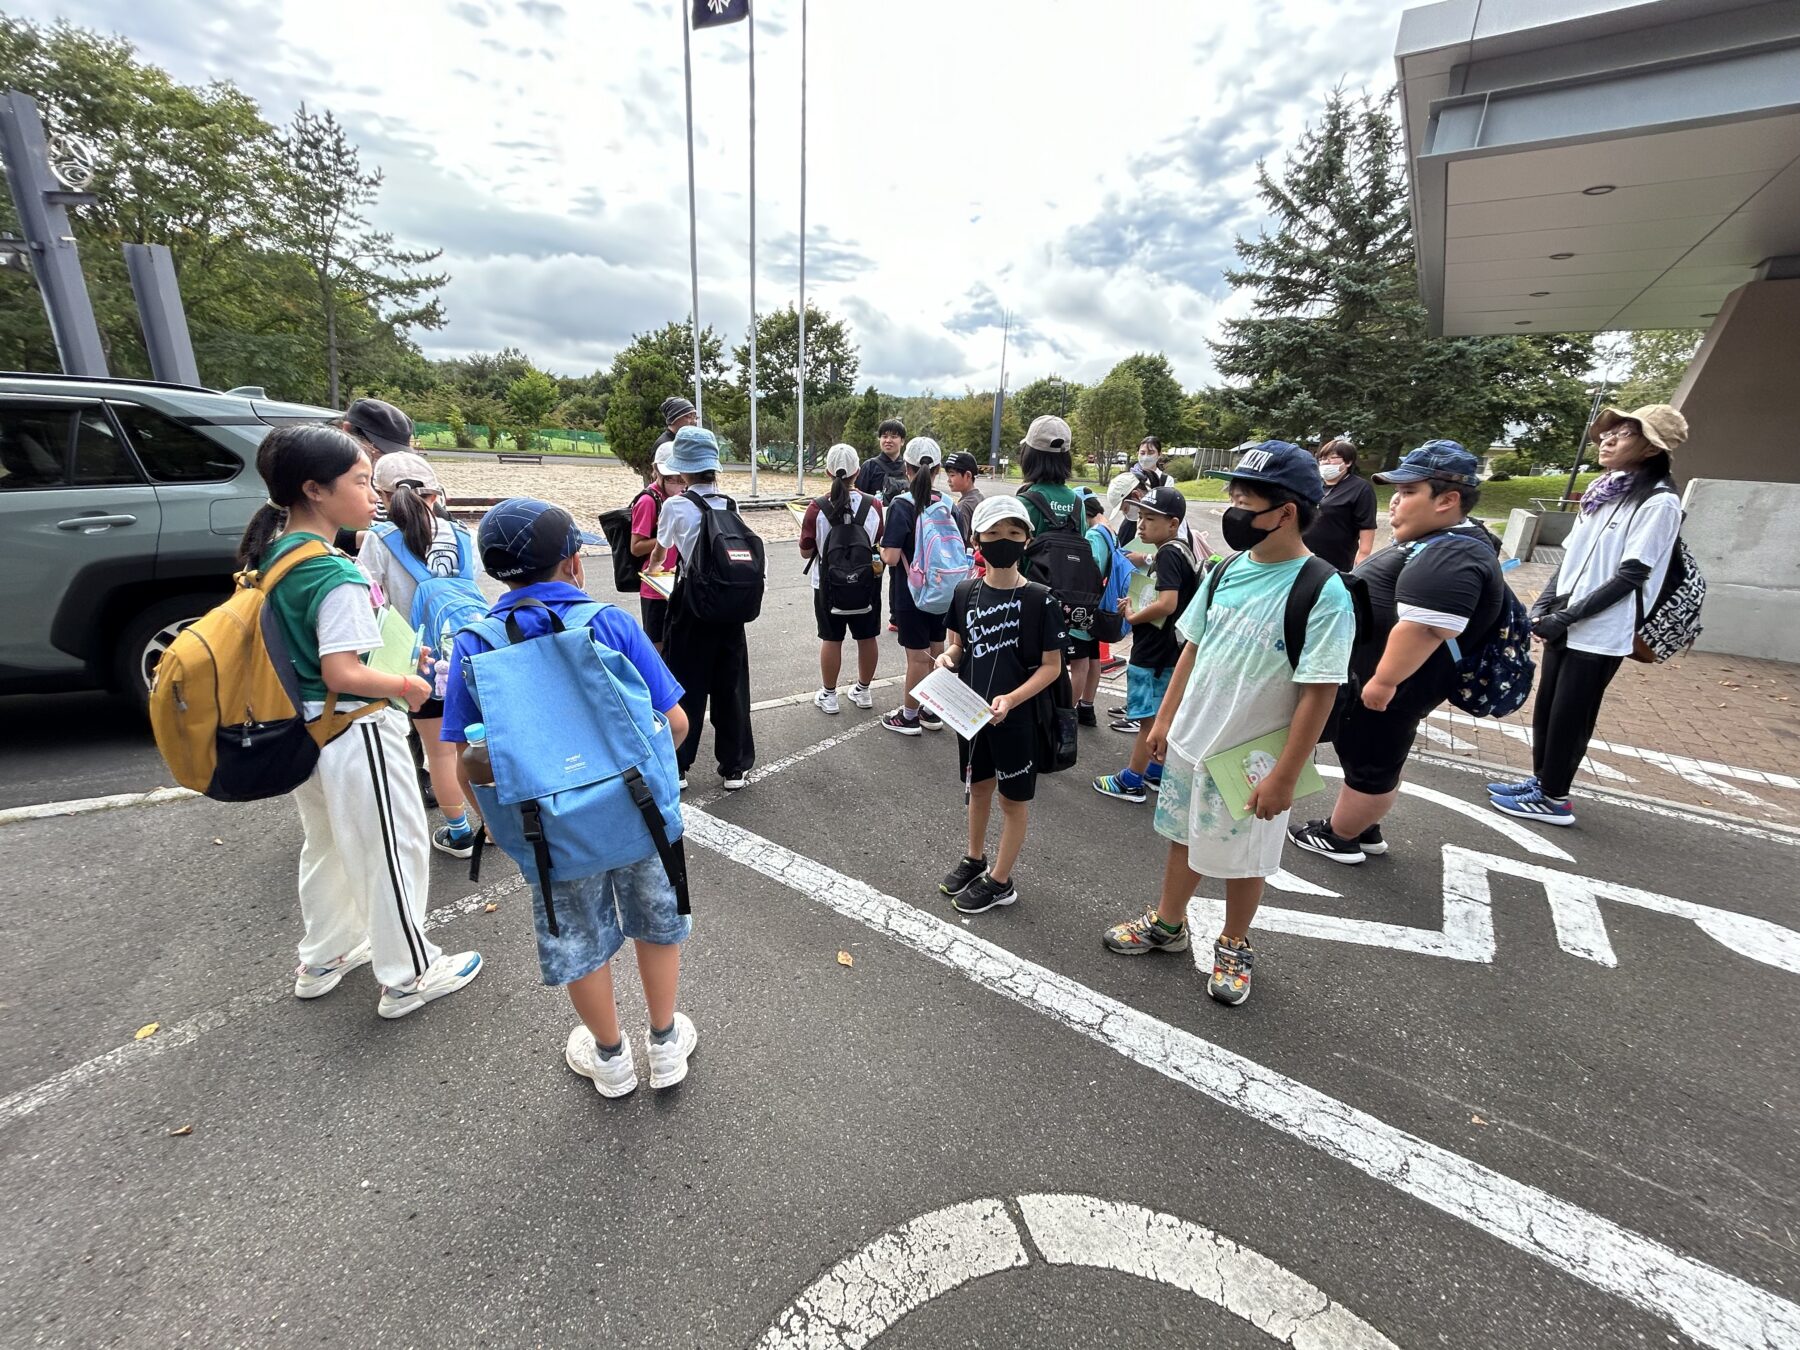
<point>532,818</point>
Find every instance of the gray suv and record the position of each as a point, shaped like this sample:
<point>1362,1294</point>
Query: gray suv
<point>121,505</point>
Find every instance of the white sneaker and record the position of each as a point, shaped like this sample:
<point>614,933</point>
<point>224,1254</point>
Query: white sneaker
<point>313,981</point>
<point>826,701</point>
<point>612,1077</point>
<point>862,696</point>
<point>669,1059</point>
<point>446,975</point>
<point>733,784</point>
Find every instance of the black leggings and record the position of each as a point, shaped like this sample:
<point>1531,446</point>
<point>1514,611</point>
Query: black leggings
<point>1571,686</point>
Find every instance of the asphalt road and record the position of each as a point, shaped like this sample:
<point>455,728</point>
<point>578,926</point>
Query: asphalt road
<point>1454,1113</point>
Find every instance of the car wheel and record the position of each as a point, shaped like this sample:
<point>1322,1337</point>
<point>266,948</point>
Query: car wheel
<point>147,635</point>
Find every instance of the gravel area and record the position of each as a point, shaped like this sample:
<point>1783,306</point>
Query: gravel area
<point>587,490</point>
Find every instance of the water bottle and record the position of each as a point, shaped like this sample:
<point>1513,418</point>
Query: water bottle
<point>475,756</point>
<point>440,674</point>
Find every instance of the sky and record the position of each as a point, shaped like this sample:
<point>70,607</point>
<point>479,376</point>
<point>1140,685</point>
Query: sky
<point>1085,166</point>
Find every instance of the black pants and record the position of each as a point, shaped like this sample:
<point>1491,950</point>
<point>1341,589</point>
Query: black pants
<point>1570,689</point>
<point>712,662</point>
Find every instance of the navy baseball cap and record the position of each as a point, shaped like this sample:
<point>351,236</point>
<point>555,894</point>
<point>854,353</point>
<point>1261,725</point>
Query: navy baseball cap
<point>1280,464</point>
<point>962,462</point>
<point>1164,501</point>
<point>1445,461</point>
<point>523,535</point>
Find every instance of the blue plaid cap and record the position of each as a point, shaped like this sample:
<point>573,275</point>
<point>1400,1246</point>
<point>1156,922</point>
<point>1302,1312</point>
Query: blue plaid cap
<point>523,535</point>
<point>1445,461</point>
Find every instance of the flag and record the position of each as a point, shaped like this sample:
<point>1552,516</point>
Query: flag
<point>718,13</point>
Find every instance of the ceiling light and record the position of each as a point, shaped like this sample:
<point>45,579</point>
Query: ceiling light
<point>1539,295</point>
<point>1710,314</point>
<point>1561,257</point>
<point>1521,323</point>
<point>1599,190</point>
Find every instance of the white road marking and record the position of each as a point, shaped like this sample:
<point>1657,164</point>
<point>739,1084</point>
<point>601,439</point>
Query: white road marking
<point>871,1289</point>
<point>788,700</point>
<point>1467,931</point>
<point>757,775</point>
<point>1529,840</point>
<point>53,1089</point>
<point>1081,1230</point>
<point>1703,1302</point>
<point>868,1291</point>
<point>1441,737</point>
<point>82,805</point>
<point>1516,733</point>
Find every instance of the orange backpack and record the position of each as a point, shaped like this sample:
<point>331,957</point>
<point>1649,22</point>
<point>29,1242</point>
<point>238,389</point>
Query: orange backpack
<point>226,706</point>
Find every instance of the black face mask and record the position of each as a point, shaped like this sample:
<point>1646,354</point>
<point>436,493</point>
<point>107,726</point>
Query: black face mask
<point>1003,552</point>
<point>1240,530</point>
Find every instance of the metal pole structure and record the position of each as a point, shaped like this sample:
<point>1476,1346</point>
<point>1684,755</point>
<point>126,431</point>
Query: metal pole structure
<point>166,341</point>
<point>750,35</point>
<point>800,375</point>
<point>687,67</point>
<point>1000,393</point>
<point>42,203</point>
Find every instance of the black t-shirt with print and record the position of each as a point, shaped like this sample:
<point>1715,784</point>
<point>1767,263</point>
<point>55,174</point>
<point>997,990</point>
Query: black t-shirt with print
<point>1004,634</point>
<point>1348,510</point>
<point>1154,648</point>
<point>1454,571</point>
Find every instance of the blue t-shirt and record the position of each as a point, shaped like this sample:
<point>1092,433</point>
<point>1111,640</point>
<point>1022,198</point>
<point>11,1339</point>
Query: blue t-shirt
<point>612,626</point>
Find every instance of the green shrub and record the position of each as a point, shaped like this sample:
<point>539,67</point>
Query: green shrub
<point>1181,469</point>
<point>459,430</point>
<point>1507,467</point>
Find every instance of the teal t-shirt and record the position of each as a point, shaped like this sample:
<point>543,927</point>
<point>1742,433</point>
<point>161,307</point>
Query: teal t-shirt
<point>1242,686</point>
<point>296,600</point>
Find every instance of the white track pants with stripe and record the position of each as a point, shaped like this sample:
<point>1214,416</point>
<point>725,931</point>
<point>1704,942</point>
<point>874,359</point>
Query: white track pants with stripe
<point>365,865</point>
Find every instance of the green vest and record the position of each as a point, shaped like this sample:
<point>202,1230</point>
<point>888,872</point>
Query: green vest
<point>296,602</point>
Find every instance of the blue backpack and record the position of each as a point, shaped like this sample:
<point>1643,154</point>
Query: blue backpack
<point>1494,679</point>
<point>940,561</point>
<point>441,604</point>
<point>584,769</point>
<point>1109,624</point>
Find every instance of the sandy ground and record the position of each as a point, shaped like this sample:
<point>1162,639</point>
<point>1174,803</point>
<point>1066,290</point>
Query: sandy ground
<point>587,490</point>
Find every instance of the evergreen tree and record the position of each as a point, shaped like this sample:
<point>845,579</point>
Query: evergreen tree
<point>1052,395</point>
<point>1164,403</point>
<point>862,427</point>
<point>1338,340</point>
<point>641,381</point>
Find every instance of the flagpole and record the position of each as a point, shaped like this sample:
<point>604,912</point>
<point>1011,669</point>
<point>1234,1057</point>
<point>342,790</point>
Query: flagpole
<point>687,67</point>
<point>800,448</point>
<point>750,34</point>
<point>1000,393</point>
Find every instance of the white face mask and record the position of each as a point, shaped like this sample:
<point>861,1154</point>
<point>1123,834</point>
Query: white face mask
<point>1147,462</point>
<point>1129,511</point>
<point>1331,472</point>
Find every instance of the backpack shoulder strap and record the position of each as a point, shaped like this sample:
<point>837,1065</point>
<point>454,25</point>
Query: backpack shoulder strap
<point>1212,582</point>
<point>395,543</point>
<point>582,615</point>
<point>1309,583</point>
<point>268,577</point>
<point>862,512</point>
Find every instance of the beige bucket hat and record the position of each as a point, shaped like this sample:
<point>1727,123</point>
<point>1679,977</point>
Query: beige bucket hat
<point>1663,426</point>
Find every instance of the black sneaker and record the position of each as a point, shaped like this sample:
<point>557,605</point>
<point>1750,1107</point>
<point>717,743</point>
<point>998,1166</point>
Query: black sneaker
<point>961,875</point>
<point>1085,715</point>
<point>930,720</point>
<point>1116,712</point>
<point>983,894</point>
<point>1371,841</point>
<point>1127,725</point>
<point>1316,837</point>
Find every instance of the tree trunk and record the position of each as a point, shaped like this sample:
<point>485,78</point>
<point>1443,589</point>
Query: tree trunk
<point>331,354</point>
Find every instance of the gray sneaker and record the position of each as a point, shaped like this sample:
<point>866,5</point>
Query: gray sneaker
<point>1230,981</point>
<point>1136,937</point>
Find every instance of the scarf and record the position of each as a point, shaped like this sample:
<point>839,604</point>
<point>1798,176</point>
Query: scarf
<point>1603,491</point>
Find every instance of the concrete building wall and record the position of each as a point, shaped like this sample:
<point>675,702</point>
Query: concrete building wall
<point>1746,538</point>
<point>1739,392</point>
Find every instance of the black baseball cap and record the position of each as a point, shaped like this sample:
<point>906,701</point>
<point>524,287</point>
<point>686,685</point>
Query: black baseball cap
<point>523,535</point>
<point>1164,501</point>
<point>381,424</point>
<point>1280,464</point>
<point>962,462</point>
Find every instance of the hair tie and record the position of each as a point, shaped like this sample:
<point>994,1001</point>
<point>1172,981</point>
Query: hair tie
<point>274,505</point>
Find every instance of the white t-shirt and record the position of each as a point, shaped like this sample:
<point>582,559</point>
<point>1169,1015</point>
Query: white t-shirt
<point>678,527</point>
<point>822,531</point>
<point>378,563</point>
<point>1597,545</point>
<point>347,623</point>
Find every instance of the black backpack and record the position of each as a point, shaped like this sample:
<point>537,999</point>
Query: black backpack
<point>1061,559</point>
<point>1302,596</point>
<point>628,568</point>
<point>847,577</point>
<point>723,582</point>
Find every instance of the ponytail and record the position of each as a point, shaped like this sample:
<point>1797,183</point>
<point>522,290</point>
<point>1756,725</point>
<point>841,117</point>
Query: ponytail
<point>288,459</point>
<point>418,523</point>
<point>840,492</point>
<point>921,487</point>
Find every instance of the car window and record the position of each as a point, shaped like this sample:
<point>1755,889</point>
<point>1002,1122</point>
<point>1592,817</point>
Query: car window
<point>101,459</point>
<point>173,453</point>
<point>34,446</point>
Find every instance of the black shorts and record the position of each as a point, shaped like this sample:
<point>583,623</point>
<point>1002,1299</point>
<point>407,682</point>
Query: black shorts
<point>1007,752</point>
<point>656,617</point>
<point>832,627</point>
<point>1082,649</point>
<point>1372,746</point>
<point>428,710</point>
<point>920,631</point>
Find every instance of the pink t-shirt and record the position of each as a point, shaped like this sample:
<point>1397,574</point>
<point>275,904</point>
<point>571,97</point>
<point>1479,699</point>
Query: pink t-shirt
<point>643,522</point>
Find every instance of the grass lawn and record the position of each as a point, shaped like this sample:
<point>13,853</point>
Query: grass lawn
<point>553,445</point>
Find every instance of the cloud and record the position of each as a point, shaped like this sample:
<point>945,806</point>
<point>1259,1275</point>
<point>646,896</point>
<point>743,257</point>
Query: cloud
<point>472,14</point>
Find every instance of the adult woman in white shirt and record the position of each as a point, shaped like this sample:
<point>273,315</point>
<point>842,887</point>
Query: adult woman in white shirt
<point>1587,614</point>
